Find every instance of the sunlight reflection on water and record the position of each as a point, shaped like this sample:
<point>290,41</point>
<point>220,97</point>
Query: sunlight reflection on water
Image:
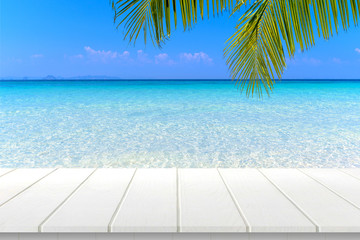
<point>178,124</point>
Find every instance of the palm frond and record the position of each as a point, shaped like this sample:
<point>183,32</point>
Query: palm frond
<point>154,18</point>
<point>255,52</point>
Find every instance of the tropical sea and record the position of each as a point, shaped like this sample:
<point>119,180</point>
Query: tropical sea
<point>178,124</point>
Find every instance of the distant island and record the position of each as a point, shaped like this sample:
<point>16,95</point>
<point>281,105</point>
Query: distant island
<point>52,77</point>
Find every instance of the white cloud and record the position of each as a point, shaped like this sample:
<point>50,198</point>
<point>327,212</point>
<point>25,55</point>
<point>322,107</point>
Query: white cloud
<point>15,60</point>
<point>79,56</point>
<point>336,60</point>
<point>305,61</point>
<point>357,50</point>
<point>143,57</point>
<point>163,58</point>
<point>125,54</point>
<point>100,53</point>
<point>140,57</point>
<point>312,61</point>
<point>103,55</point>
<point>37,56</point>
<point>196,57</point>
<point>292,61</point>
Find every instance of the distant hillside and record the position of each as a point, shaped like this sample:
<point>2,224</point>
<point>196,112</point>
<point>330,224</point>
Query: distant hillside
<point>90,77</point>
<point>54,78</point>
<point>49,77</point>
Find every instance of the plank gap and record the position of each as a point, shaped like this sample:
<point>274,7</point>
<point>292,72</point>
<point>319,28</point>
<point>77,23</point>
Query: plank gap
<point>26,187</point>
<point>178,212</point>
<point>330,189</point>
<point>341,170</point>
<point>117,210</point>
<point>63,202</point>
<point>8,172</point>
<point>248,227</point>
<point>317,227</point>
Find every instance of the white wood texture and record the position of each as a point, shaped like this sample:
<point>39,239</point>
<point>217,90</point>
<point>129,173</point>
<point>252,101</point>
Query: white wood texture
<point>90,209</point>
<point>194,200</point>
<point>265,207</point>
<point>20,179</point>
<point>4,171</point>
<point>341,183</point>
<point>150,204</point>
<point>329,211</point>
<point>205,203</point>
<point>180,236</point>
<point>26,212</point>
<point>355,172</point>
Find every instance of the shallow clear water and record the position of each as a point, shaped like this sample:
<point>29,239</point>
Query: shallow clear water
<point>182,124</point>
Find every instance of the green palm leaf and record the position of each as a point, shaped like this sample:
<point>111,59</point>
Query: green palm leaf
<point>255,52</point>
<point>153,17</point>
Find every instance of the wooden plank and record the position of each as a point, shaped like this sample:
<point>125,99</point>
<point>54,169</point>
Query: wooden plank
<point>26,212</point>
<point>329,211</point>
<point>4,171</point>
<point>355,172</point>
<point>264,206</point>
<point>90,209</point>
<point>150,204</point>
<point>341,183</point>
<point>205,203</point>
<point>17,181</point>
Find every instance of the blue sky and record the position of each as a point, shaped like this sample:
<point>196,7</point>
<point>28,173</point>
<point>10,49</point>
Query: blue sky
<point>78,38</point>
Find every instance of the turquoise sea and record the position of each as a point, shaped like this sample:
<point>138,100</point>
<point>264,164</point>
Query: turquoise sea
<point>178,124</point>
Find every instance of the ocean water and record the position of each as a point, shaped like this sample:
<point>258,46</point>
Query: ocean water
<point>178,124</point>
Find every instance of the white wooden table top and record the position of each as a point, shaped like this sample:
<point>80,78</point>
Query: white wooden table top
<point>179,200</point>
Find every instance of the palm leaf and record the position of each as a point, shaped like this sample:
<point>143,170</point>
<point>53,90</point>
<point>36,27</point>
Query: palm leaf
<point>255,52</point>
<point>153,17</point>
